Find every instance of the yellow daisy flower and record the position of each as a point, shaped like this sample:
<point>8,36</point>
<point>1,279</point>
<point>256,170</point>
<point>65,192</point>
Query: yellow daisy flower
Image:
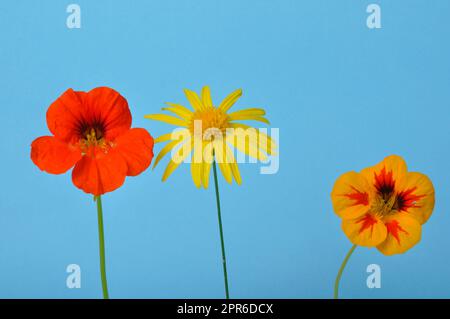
<point>208,133</point>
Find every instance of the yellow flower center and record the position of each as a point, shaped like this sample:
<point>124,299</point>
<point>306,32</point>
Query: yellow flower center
<point>210,123</point>
<point>385,205</point>
<point>92,137</point>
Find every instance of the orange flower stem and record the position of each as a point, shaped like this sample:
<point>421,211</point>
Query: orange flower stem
<point>224,260</point>
<point>102,247</point>
<point>341,270</point>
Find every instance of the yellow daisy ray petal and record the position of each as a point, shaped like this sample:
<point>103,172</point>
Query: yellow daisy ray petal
<point>167,119</point>
<point>166,149</point>
<point>179,110</point>
<point>233,165</point>
<point>206,170</point>
<point>207,162</point>
<point>193,99</point>
<point>221,159</point>
<point>265,142</point>
<point>228,102</point>
<point>248,117</point>
<point>206,97</point>
<point>168,136</point>
<point>197,163</point>
<point>243,144</point>
<point>248,112</point>
<point>181,155</point>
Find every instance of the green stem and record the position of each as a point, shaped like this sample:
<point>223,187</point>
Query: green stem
<point>224,260</point>
<point>101,240</point>
<point>341,270</point>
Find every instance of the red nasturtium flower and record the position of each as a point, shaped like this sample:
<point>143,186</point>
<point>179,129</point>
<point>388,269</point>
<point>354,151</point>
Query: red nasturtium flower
<point>92,133</point>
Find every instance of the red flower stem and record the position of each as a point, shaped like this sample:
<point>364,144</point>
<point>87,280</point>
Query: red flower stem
<point>102,247</point>
<point>224,260</point>
<point>341,270</point>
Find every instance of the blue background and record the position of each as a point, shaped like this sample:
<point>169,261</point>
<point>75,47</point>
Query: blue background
<point>343,96</point>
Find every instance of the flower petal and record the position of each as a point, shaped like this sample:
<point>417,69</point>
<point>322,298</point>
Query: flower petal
<point>368,230</point>
<point>265,142</point>
<point>403,233</point>
<point>136,147</point>
<point>100,174</point>
<point>206,97</point>
<point>386,175</point>
<point>179,110</point>
<point>351,196</point>
<point>167,119</point>
<point>246,141</point>
<point>416,196</point>
<point>53,156</point>
<point>194,100</point>
<point>178,158</point>
<point>228,102</point>
<point>110,108</point>
<point>221,159</point>
<point>65,115</point>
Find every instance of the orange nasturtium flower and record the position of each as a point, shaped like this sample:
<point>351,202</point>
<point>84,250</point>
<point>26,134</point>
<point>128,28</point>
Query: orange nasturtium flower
<point>208,132</point>
<point>91,131</point>
<point>383,206</point>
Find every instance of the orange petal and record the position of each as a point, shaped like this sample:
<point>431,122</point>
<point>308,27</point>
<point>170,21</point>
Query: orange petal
<point>100,174</point>
<point>136,147</point>
<point>111,109</point>
<point>416,196</point>
<point>368,230</point>
<point>350,196</point>
<point>53,156</point>
<point>404,232</point>
<point>65,115</point>
<point>386,175</point>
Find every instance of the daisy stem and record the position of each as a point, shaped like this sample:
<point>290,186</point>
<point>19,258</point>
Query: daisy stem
<point>101,240</point>
<point>224,260</point>
<point>341,270</point>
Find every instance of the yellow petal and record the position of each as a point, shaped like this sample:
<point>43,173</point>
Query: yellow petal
<point>404,232</point>
<point>417,196</point>
<point>206,171</point>
<point>367,231</point>
<point>390,172</point>
<point>171,136</point>
<point>221,160</point>
<point>248,117</point>
<point>351,196</point>
<point>265,142</point>
<point>179,110</point>
<point>244,142</point>
<point>228,102</point>
<point>193,99</point>
<point>163,138</point>
<point>197,173</point>
<point>206,97</point>
<point>181,155</point>
<point>166,149</point>
<point>233,165</point>
<point>167,119</point>
<point>248,112</point>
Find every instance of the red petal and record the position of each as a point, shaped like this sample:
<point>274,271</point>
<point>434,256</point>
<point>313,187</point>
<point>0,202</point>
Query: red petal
<point>65,115</point>
<point>108,107</point>
<point>136,147</point>
<point>100,174</point>
<point>53,156</point>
